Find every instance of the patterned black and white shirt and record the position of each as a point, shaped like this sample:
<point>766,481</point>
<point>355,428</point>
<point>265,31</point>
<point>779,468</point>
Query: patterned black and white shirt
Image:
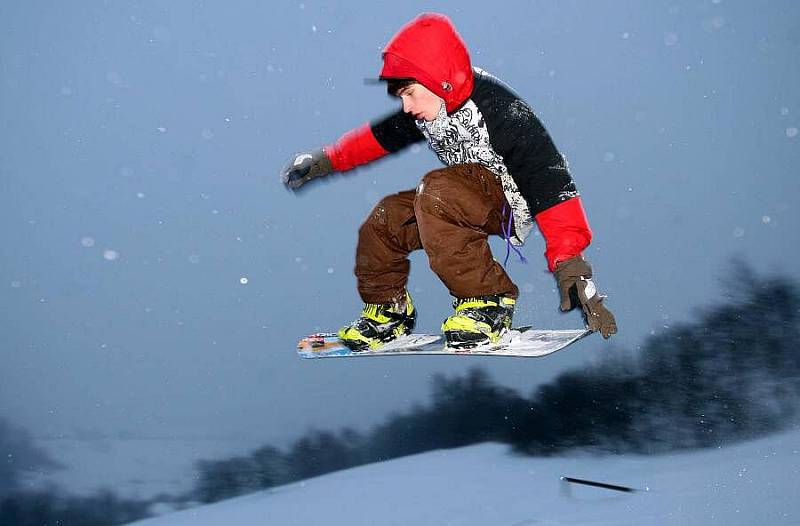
<point>497,129</point>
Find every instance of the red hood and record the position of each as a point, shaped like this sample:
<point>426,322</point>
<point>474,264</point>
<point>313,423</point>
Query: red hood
<point>430,50</point>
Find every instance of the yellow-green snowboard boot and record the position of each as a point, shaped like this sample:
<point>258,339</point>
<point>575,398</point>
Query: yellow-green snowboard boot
<point>379,323</point>
<point>478,320</point>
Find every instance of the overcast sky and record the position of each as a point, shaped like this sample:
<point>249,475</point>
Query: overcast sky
<point>156,276</point>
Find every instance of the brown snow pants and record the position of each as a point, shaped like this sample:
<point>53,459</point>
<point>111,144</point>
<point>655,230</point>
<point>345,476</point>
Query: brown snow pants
<point>450,215</point>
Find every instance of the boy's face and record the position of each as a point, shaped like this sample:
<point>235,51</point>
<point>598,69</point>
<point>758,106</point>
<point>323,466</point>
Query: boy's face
<point>420,102</point>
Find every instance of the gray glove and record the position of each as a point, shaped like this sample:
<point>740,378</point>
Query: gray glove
<point>304,166</point>
<point>574,277</point>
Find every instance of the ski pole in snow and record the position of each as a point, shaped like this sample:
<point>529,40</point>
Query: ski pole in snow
<point>603,485</point>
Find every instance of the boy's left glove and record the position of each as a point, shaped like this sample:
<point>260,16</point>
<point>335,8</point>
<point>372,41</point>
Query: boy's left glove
<point>574,277</point>
<point>303,167</point>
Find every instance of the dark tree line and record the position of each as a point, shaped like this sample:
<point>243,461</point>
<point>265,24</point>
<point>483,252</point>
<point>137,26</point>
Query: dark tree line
<point>52,506</point>
<point>463,411</point>
<point>49,508</point>
<point>732,375</point>
<point>19,507</point>
<point>18,454</point>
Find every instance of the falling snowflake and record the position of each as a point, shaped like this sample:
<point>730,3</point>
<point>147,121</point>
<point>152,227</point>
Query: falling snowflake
<point>110,255</point>
<point>113,78</point>
<point>244,281</point>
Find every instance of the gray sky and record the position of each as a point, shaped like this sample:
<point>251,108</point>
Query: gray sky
<point>139,187</point>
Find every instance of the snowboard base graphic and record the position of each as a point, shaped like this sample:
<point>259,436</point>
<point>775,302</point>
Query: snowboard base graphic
<point>521,342</point>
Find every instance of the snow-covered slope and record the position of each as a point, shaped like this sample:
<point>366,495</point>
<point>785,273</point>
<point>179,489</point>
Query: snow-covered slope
<point>751,483</point>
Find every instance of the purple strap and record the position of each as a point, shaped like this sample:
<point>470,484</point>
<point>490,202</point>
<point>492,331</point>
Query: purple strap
<point>507,229</point>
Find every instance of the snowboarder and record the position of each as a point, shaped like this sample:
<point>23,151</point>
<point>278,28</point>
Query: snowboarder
<point>502,173</point>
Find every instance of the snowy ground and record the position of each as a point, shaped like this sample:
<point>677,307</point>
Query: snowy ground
<point>751,483</point>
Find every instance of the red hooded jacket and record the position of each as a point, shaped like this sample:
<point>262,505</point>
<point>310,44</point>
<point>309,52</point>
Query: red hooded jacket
<point>441,64</point>
<point>430,50</point>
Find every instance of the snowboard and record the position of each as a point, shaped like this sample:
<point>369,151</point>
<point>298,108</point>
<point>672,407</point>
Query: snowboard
<point>520,342</point>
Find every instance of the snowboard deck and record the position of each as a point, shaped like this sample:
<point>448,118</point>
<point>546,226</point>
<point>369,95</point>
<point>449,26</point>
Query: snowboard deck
<point>520,342</point>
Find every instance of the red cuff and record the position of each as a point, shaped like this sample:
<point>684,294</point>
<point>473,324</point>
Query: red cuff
<point>358,146</point>
<point>565,229</point>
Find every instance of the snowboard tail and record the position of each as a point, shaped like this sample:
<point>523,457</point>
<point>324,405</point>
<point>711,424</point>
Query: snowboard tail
<point>519,342</point>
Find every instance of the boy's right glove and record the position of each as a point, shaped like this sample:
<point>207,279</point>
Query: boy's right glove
<point>304,166</point>
<point>574,277</point>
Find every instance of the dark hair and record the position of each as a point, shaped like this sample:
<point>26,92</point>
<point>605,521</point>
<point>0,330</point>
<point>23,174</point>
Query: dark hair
<point>393,86</point>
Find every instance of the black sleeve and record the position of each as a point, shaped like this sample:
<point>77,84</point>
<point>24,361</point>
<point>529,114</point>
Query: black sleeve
<point>396,131</point>
<point>517,134</point>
